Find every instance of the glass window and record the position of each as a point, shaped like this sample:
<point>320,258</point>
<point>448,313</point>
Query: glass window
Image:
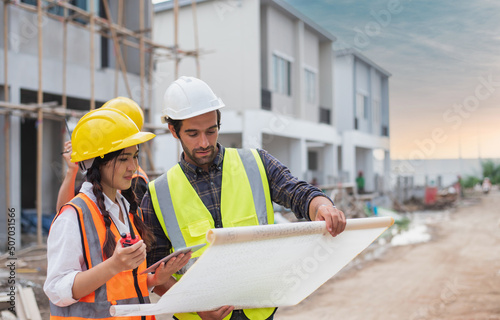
<point>366,111</point>
<point>360,106</point>
<point>310,86</point>
<point>282,75</point>
<point>376,111</point>
<point>59,10</point>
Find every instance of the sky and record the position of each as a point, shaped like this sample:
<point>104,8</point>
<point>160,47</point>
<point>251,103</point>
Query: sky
<point>444,57</point>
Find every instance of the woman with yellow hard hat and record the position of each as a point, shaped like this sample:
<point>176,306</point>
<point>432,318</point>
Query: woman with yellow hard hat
<point>97,243</point>
<point>140,179</point>
<point>128,106</point>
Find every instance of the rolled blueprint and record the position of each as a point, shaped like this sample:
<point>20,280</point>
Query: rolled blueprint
<point>263,266</point>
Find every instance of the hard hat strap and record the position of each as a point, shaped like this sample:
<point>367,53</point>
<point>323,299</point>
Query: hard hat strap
<point>85,165</point>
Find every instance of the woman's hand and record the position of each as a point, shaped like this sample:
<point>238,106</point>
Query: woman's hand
<point>122,259</point>
<point>127,258</point>
<point>166,270</point>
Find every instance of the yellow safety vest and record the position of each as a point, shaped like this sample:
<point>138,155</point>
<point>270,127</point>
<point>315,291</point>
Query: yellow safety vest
<point>243,178</point>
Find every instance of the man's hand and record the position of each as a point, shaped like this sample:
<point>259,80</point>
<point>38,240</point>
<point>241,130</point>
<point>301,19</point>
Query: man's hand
<point>321,209</point>
<point>218,314</point>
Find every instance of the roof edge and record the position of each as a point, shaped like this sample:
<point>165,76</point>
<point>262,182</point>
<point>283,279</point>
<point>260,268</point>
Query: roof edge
<point>280,4</point>
<point>362,57</point>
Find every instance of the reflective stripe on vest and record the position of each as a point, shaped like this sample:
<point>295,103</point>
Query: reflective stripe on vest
<point>96,305</point>
<point>185,219</point>
<point>142,174</point>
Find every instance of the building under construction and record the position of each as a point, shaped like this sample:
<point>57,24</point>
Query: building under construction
<point>323,114</point>
<point>61,59</point>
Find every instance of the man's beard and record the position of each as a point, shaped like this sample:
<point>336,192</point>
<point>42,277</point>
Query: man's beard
<point>200,161</point>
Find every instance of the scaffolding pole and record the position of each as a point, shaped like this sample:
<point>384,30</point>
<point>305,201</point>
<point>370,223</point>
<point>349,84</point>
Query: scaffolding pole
<point>151,65</point>
<point>120,23</point>
<point>65,57</point>
<point>92,58</point>
<point>196,44</point>
<point>142,56</point>
<point>6,51</point>
<point>7,116</point>
<point>39,168</point>
<point>176,37</point>
<point>117,47</point>
<point>141,61</point>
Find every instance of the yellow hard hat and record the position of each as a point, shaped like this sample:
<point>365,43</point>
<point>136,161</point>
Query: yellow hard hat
<point>129,107</point>
<point>102,131</point>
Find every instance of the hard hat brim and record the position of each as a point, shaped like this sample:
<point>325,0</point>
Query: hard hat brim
<point>192,114</point>
<point>133,140</point>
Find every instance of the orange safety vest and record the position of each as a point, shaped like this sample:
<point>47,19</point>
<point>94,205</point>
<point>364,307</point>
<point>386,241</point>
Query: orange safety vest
<point>127,287</point>
<point>141,174</point>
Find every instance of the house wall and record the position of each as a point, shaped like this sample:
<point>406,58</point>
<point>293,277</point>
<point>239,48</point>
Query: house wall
<point>363,86</point>
<point>326,81</point>
<point>229,36</point>
<point>344,93</point>
<point>281,42</point>
<point>310,110</point>
<point>240,40</point>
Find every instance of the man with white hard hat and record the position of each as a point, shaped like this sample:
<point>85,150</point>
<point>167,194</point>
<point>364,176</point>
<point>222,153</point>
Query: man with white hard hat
<point>215,187</point>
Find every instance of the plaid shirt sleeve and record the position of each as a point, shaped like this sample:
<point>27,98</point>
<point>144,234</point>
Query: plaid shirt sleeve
<point>162,246</point>
<point>287,190</point>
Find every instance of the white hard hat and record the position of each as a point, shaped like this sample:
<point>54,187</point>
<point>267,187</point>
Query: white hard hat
<point>188,97</point>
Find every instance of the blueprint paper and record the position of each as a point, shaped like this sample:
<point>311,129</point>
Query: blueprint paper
<point>263,266</point>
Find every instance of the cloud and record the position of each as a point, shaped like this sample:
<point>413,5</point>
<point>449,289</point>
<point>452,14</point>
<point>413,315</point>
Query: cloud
<point>436,52</point>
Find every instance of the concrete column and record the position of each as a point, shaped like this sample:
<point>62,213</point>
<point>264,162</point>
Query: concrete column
<point>298,158</point>
<point>251,134</point>
<point>349,159</point>
<point>298,72</point>
<point>15,164</point>
<point>330,163</point>
<point>388,175</point>
<point>3,209</point>
<point>369,170</point>
<point>326,84</point>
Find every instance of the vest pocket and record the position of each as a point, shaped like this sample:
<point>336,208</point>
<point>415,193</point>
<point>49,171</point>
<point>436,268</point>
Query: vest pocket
<point>198,229</point>
<point>246,221</point>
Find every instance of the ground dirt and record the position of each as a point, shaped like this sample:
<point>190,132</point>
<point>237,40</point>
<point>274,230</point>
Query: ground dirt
<point>454,276</point>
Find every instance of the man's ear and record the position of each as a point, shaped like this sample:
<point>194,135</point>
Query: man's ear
<point>172,131</point>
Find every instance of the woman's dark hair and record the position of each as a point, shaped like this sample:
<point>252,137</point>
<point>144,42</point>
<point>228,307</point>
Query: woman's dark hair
<point>94,177</point>
<point>178,123</point>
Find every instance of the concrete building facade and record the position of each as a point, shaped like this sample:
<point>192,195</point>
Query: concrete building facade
<point>362,108</point>
<point>273,68</point>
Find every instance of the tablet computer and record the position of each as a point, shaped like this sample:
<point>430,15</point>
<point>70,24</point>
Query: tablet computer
<point>170,256</point>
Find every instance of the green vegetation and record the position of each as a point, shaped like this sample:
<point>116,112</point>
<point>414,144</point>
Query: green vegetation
<point>402,224</point>
<point>470,182</point>
<point>490,170</point>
